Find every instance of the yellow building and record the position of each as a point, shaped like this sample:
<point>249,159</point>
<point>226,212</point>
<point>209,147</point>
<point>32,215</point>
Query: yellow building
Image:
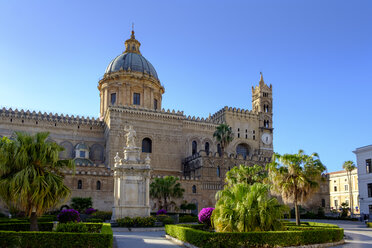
<point>339,189</point>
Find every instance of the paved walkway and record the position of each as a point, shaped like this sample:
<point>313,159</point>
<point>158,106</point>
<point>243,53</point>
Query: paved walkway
<point>142,240</point>
<point>357,235</point>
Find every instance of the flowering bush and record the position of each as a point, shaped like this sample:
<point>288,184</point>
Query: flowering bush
<point>90,210</point>
<point>161,211</point>
<point>205,216</point>
<point>68,215</point>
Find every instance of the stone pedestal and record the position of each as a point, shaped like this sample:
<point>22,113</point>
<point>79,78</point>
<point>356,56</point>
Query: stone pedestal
<point>131,184</point>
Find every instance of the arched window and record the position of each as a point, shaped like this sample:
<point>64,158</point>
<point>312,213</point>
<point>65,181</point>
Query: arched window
<point>194,147</point>
<point>218,171</point>
<point>323,203</point>
<point>80,184</point>
<point>147,145</point>
<point>219,150</point>
<point>98,185</point>
<point>266,123</point>
<point>194,189</point>
<point>206,147</point>
<point>243,149</point>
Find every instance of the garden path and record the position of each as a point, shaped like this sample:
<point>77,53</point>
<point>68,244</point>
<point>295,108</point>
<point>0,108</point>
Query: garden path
<point>357,235</point>
<point>142,240</point>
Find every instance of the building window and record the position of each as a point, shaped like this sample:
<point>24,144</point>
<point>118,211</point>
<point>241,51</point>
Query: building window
<point>238,135</point>
<point>242,149</point>
<point>368,165</point>
<point>206,147</point>
<point>323,203</point>
<point>346,187</point>
<point>218,171</point>
<point>136,98</point>
<point>147,145</point>
<point>254,137</point>
<point>113,98</point>
<point>194,189</point>
<point>266,123</point>
<point>98,185</point>
<point>194,147</point>
<point>246,136</point>
<point>335,188</point>
<point>219,150</point>
<point>82,154</point>
<point>369,189</point>
<point>80,184</point>
<point>155,104</point>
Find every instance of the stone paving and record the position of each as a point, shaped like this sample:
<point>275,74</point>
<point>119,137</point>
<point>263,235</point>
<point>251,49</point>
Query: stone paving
<point>142,240</point>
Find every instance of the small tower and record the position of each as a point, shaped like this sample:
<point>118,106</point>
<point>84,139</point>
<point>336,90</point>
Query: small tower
<point>262,98</point>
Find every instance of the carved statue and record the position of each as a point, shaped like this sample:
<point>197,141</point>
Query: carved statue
<point>131,136</point>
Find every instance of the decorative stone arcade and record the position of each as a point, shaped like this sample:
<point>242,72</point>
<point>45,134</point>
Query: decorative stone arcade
<point>131,181</point>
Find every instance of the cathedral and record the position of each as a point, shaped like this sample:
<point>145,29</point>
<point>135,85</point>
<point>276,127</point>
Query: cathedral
<point>178,145</point>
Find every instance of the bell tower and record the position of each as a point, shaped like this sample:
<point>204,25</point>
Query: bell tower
<point>262,98</point>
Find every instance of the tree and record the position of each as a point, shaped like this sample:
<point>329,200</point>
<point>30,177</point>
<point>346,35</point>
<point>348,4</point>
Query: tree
<point>166,188</point>
<point>295,176</point>
<point>349,166</point>
<point>244,208</point>
<point>81,204</point>
<point>30,174</point>
<point>246,174</point>
<point>224,136</point>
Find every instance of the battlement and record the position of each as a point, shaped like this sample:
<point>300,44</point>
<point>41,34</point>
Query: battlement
<point>61,118</point>
<point>161,112</point>
<point>226,110</point>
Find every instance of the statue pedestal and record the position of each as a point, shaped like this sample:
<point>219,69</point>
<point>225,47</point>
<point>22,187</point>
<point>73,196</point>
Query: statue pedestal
<point>131,185</point>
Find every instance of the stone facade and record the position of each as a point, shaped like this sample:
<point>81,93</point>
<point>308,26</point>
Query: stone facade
<point>179,145</point>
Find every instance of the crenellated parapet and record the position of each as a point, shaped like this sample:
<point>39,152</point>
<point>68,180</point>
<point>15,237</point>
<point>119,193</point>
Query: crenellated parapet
<point>39,116</point>
<point>219,116</point>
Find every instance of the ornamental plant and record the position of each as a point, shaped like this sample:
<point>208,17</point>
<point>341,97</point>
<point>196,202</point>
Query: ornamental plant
<point>90,210</point>
<point>205,216</point>
<point>68,215</point>
<point>161,211</point>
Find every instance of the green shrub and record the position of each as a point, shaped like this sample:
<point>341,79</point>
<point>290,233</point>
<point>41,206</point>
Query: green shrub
<point>165,219</point>
<point>369,224</point>
<point>81,203</point>
<point>25,226</point>
<point>137,222</point>
<point>103,215</point>
<point>72,227</point>
<point>188,218</point>
<point>58,239</point>
<point>94,220</point>
<point>205,239</point>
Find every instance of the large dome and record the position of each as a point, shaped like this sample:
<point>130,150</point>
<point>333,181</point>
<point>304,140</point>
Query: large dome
<point>132,61</point>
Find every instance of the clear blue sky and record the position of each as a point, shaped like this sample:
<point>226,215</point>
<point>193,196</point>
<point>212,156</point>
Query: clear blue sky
<point>208,54</point>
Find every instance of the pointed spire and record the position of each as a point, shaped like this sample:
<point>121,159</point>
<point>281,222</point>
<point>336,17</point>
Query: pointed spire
<point>261,79</point>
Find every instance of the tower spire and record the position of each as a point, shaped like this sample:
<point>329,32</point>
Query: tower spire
<point>261,78</point>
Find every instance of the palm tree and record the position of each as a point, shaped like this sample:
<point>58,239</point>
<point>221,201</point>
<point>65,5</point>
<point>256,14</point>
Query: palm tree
<point>30,174</point>
<point>246,174</point>
<point>349,166</point>
<point>166,188</point>
<point>295,177</point>
<point>244,208</point>
<point>224,136</point>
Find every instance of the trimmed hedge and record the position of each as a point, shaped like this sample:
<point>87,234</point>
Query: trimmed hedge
<point>188,218</point>
<point>57,240</point>
<point>369,224</point>
<point>205,239</point>
<point>25,226</point>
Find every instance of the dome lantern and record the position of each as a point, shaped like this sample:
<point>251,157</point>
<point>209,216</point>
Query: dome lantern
<point>132,45</point>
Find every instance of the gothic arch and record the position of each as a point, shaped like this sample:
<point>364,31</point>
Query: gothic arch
<point>244,149</point>
<point>68,152</point>
<point>96,153</point>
